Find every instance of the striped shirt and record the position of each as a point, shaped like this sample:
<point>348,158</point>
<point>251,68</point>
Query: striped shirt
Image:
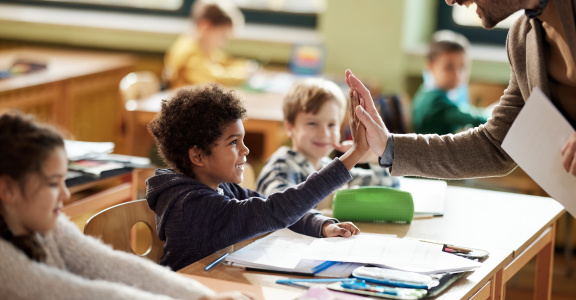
<point>287,168</point>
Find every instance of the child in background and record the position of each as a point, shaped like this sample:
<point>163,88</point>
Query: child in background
<point>435,109</point>
<point>313,113</point>
<point>197,57</point>
<point>44,255</point>
<point>200,208</point>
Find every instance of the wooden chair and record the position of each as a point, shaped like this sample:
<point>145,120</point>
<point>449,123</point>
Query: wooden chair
<point>133,87</point>
<point>114,226</point>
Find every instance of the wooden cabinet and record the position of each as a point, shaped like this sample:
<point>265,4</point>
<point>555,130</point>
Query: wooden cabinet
<point>77,92</point>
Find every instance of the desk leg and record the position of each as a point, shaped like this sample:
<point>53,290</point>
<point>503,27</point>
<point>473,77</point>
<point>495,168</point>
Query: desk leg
<point>498,286</point>
<point>544,265</point>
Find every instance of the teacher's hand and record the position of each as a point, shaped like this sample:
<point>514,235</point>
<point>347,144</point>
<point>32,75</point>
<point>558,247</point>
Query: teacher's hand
<point>376,131</point>
<point>568,155</point>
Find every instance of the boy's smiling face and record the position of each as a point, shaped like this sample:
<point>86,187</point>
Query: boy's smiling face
<point>448,69</point>
<point>226,162</point>
<point>313,135</point>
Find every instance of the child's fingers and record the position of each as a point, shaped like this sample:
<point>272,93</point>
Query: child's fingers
<point>341,231</point>
<point>351,227</point>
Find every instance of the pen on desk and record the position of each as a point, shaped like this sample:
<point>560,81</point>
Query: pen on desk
<point>454,249</point>
<point>423,216</point>
<point>323,266</point>
<point>219,259</point>
<point>297,281</point>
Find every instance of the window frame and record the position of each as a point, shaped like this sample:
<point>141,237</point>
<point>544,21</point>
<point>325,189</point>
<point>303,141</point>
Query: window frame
<point>476,35</point>
<point>303,20</point>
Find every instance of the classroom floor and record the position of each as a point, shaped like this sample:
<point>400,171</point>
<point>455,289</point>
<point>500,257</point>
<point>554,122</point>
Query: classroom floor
<point>520,287</point>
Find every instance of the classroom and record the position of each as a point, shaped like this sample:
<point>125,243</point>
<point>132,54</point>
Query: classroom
<point>459,142</point>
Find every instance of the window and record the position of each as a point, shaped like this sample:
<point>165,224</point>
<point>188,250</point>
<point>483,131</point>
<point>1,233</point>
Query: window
<point>301,13</point>
<point>168,5</point>
<point>465,21</point>
<point>158,7</point>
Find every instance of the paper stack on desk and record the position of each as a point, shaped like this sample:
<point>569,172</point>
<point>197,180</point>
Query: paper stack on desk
<point>287,250</point>
<point>283,251</point>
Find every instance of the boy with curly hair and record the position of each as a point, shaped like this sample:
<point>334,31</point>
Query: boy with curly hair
<point>199,206</point>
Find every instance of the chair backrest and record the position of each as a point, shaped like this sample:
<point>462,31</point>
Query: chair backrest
<point>114,227</point>
<point>139,85</point>
<point>392,113</point>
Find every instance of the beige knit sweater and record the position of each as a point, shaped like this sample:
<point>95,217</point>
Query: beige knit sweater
<point>81,267</point>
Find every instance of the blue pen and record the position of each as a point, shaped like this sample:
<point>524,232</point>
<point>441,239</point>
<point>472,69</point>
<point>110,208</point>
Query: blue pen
<point>219,259</point>
<point>323,266</point>
<point>363,286</point>
<point>295,281</point>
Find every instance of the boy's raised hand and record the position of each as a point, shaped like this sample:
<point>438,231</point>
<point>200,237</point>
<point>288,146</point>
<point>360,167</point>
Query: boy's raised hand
<point>344,229</point>
<point>376,131</point>
<point>360,145</point>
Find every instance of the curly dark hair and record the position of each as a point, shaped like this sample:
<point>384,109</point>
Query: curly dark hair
<point>194,116</point>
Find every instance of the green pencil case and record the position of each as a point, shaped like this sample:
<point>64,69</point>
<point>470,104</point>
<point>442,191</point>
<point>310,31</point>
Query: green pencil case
<point>373,204</point>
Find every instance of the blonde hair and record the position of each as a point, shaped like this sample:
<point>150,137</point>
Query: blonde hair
<point>217,12</point>
<point>309,95</point>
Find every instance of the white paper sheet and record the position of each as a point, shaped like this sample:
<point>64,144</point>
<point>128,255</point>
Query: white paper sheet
<point>535,141</point>
<point>286,250</point>
<point>391,252</point>
<point>283,250</point>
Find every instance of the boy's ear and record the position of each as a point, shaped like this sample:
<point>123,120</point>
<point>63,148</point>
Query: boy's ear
<point>196,156</point>
<point>7,189</point>
<point>288,126</point>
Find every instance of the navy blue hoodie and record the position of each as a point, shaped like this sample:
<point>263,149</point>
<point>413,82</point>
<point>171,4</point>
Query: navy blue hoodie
<point>195,220</point>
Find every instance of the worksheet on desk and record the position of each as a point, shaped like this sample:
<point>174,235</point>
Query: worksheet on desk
<point>390,252</point>
<point>534,142</point>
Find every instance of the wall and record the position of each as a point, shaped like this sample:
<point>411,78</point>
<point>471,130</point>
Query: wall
<point>380,40</point>
<point>366,37</point>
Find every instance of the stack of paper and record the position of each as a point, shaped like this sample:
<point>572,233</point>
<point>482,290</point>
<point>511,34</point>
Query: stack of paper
<point>77,150</point>
<point>289,251</point>
<point>283,251</point>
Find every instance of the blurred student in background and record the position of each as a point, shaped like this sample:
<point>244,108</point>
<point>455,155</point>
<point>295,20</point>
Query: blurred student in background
<point>441,104</point>
<point>314,110</point>
<point>197,56</point>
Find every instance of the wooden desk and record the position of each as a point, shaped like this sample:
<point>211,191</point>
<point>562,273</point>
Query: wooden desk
<point>513,227</point>
<point>264,111</point>
<point>78,91</point>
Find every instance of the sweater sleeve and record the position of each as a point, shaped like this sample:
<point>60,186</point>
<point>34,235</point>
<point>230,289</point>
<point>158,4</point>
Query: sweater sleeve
<point>235,220</point>
<point>95,265</point>
<point>311,223</point>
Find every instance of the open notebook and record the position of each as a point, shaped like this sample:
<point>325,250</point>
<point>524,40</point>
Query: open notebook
<point>429,195</point>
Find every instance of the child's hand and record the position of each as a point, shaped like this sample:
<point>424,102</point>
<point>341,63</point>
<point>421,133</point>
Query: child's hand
<point>369,157</point>
<point>357,129</point>
<point>231,296</point>
<point>360,145</point>
<point>345,229</point>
